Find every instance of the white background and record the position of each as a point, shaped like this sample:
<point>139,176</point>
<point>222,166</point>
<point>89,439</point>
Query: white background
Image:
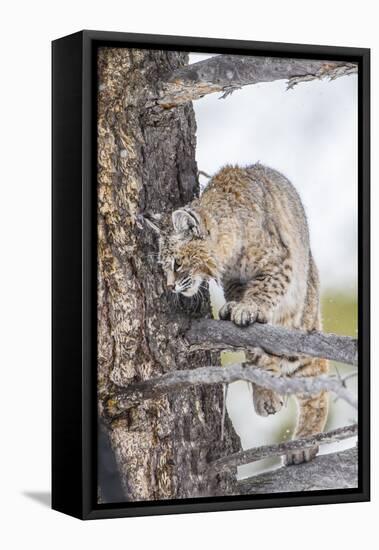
<point>27,29</point>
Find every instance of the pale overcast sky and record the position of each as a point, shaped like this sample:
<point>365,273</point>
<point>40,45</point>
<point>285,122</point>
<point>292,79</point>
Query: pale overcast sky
<point>310,135</point>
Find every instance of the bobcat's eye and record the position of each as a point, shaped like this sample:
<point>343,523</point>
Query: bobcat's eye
<point>176,265</point>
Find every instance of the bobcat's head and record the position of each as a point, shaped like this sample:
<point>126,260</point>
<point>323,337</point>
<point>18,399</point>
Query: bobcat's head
<point>185,253</point>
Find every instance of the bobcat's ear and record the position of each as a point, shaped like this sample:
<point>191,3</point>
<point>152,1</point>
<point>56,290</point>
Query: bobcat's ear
<point>186,220</point>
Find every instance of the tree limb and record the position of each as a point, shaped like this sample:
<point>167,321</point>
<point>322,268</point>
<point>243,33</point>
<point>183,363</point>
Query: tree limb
<point>280,449</point>
<point>224,335</point>
<point>154,387</point>
<point>226,73</point>
<point>325,472</point>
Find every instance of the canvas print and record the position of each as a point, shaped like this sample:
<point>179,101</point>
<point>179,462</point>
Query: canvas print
<point>227,275</point>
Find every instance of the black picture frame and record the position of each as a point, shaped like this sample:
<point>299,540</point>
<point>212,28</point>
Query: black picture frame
<point>74,413</point>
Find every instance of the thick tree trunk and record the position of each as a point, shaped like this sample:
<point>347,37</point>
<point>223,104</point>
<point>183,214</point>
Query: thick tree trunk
<point>146,162</point>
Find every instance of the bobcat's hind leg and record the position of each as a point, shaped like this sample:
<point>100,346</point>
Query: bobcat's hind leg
<point>313,413</point>
<point>266,402</point>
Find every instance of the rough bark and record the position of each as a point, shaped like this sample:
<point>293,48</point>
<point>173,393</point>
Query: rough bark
<point>146,162</point>
<point>176,381</point>
<point>330,471</point>
<point>226,73</point>
<point>211,334</point>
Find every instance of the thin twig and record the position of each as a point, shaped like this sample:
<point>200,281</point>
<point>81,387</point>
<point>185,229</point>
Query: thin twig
<point>349,376</point>
<point>224,396</point>
<point>202,173</point>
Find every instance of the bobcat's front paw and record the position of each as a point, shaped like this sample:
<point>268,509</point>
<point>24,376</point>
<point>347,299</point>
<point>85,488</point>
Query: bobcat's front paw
<point>266,401</point>
<point>298,457</point>
<point>243,314</point>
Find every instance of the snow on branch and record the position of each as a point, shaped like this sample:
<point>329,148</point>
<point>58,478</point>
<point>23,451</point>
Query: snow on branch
<point>226,73</point>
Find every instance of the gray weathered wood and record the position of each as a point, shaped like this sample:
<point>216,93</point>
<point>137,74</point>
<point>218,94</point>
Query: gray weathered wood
<point>223,335</point>
<point>225,73</point>
<point>330,471</point>
<point>280,449</point>
<point>201,376</point>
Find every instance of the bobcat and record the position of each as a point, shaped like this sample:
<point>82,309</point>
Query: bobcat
<point>248,231</point>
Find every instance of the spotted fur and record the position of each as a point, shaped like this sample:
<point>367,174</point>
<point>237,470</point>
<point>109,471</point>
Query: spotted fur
<point>248,231</point>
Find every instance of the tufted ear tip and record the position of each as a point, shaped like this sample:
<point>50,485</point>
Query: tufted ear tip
<point>186,220</point>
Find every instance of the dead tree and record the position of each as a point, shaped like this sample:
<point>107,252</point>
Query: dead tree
<point>163,440</point>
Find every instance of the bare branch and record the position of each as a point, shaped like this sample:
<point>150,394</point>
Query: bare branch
<point>349,377</point>
<point>280,449</point>
<point>136,393</point>
<point>226,73</point>
<point>224,335</point>
<point>202,173</point>
<point>325,472</point>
